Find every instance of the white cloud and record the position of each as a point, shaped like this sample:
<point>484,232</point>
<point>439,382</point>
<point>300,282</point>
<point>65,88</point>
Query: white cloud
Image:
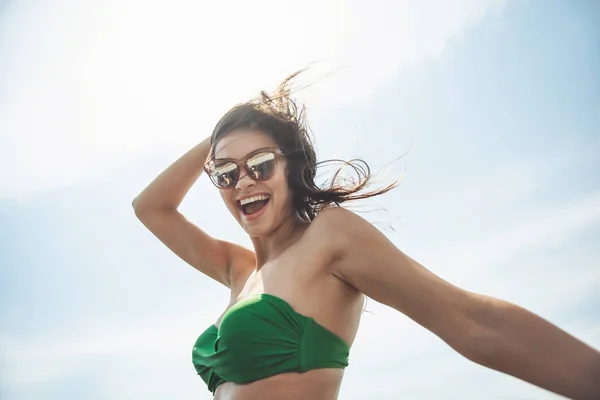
<point>542,228</point>
<point>86,85</point>
<point>54,355</point>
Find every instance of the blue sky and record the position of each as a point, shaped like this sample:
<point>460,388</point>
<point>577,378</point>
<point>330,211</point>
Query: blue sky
<point>500,101</point>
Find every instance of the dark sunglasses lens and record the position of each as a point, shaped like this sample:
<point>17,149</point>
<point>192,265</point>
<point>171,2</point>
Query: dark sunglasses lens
<point>261,166</point>
<point>225,175</point>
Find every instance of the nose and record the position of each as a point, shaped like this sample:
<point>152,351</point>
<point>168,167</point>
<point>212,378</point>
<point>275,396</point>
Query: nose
<point>244,181</point>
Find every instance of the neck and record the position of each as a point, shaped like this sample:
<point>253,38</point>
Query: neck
<point>286,234</point>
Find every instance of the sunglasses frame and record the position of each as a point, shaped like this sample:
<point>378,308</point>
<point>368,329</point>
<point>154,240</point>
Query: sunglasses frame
<point>242,165</point>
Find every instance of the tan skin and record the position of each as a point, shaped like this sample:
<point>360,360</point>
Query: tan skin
<point>328,280</point>
<point>291,263</point>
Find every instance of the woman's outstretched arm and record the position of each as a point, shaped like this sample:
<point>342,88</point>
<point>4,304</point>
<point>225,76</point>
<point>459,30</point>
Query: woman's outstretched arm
<point>156,207</point>
<point>491,332</point>
<point>522,344</point>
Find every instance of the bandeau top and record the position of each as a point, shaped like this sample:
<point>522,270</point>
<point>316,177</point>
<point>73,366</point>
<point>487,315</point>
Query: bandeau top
<point>263,336</point>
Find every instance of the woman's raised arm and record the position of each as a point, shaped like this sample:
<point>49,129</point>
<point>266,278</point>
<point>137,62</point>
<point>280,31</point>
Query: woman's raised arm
<point>156,207</point>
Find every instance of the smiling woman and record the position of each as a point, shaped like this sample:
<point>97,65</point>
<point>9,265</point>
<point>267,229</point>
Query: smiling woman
<point>297,297</point>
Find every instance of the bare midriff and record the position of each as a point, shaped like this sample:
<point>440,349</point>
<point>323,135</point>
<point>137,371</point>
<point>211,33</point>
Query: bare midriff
<point>318,384</point>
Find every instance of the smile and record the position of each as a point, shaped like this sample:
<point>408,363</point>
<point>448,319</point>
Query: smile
<point>254,204</point>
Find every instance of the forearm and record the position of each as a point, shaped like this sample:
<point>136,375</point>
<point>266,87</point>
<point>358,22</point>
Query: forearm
<point>528,347</point>
<point>171,186</point>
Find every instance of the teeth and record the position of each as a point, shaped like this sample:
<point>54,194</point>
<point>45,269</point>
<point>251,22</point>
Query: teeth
<point>254,198</point>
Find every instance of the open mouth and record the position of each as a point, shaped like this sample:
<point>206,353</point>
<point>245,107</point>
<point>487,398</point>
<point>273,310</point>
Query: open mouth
<point>254,204</point>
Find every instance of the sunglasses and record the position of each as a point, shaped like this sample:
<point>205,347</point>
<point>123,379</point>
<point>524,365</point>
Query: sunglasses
<point>259,165</point>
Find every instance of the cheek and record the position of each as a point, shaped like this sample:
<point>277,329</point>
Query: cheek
<point>284,192</point>
<point>226,197</point>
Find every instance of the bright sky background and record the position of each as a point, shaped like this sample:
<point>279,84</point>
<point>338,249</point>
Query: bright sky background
<point>501,195</point>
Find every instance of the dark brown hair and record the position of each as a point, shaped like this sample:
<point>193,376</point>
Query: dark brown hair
<point>278,116</point>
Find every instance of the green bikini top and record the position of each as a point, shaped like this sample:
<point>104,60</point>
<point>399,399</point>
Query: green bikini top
<point>263,336</point>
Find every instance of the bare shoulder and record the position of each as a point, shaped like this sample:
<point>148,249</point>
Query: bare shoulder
<point>368,260</point>
<point>337,219</point>
<point>339,230</point>
<point>341,222</point>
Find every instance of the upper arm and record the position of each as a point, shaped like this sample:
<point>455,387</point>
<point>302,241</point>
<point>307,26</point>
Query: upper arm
<point>371,263</point>
<point>223,261</point>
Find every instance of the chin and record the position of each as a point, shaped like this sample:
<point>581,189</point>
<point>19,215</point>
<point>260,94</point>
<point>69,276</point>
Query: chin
<point>256,231</point>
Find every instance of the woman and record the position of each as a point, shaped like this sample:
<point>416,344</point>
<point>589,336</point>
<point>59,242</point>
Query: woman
<point>296,300</point>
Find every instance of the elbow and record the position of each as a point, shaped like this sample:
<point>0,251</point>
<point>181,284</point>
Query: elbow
<point>490,339</point>
<point>144,209</point>
<point>477,337</point>
<point>480,345</point>
<point>135,205</point>
<point>473,340</point>
<point>139,208</point>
